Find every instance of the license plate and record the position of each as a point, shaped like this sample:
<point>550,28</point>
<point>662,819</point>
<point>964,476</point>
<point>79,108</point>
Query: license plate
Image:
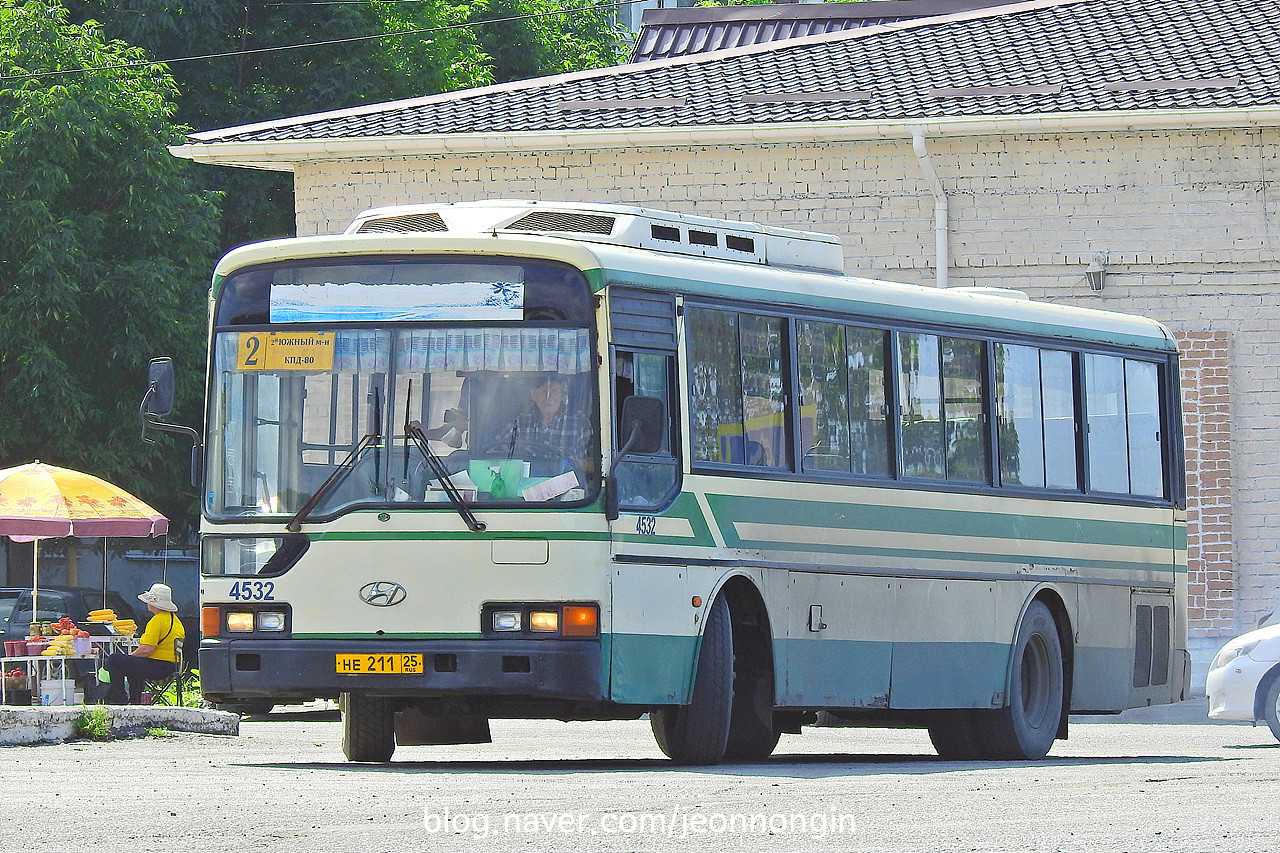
<point>378,664</point>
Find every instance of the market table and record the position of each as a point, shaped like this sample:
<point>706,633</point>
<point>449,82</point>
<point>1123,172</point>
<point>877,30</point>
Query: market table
<point>51,670</point>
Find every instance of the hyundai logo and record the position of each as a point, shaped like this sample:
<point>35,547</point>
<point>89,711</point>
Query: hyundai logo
<point>382,593</point>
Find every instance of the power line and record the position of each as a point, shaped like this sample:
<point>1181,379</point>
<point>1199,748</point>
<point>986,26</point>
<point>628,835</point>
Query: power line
<point>143,63</point>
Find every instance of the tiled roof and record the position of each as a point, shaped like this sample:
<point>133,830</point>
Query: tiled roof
<point>667,33</point>
<point>1041,58</point>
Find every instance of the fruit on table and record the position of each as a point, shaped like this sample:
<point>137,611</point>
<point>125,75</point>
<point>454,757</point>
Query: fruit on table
<point>63,645</point>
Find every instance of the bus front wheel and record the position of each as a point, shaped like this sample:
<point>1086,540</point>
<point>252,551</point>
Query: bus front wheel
<point>368,727</point>
<point>698,733</point>
<point>954,735</point>
<point>753,734</point>
<point>1026,727</point>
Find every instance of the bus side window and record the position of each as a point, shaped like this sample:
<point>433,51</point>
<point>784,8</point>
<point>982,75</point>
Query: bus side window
<point>649,482</point>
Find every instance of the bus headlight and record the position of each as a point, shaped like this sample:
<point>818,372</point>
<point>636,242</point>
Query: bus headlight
<point>506,620</point>
<point>240,622</point>
<point>270,620</point>
<point>544,621</point>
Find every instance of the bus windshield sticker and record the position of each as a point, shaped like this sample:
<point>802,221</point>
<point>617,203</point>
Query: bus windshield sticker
<point>358,302</point>
<point>285,351</point>
<point>553,488</point>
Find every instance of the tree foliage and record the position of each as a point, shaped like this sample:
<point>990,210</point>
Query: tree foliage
<point>105,247</point>
<point>471,43</point>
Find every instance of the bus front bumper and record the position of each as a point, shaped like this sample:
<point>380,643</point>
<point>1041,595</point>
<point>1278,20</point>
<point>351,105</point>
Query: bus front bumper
<point>305,669</point>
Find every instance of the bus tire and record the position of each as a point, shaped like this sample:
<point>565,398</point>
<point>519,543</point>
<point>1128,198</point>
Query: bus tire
<point>368,727</point>
<point>954,735</point>
<point>698,733</point>
<point>752,733</point>
<point>1026,727</point>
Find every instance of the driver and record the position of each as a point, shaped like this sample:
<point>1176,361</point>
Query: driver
<point>551,424</point>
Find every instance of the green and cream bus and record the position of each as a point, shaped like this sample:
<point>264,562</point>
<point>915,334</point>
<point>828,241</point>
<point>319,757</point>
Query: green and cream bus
<point>581,462</point>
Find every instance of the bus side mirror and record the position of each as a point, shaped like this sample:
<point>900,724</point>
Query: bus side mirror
<point>641,425</point>
<point>159,397</point>
<point>158,402</point>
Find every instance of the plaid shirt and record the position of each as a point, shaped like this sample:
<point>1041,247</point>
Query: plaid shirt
<point>567,432</point>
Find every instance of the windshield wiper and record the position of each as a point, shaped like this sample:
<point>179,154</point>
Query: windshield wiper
<point>413,431</point>
<point>345,467</point>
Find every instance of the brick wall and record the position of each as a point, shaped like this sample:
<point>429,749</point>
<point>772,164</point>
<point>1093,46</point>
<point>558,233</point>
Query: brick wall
<point>1186,221</point>
<point>1206,412</point>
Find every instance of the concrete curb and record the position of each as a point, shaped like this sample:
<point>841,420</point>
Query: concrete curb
<point>19,726</point>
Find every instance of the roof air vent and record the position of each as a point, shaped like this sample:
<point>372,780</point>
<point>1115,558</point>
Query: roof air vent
<point>577,223</point>
<point>416,222</point>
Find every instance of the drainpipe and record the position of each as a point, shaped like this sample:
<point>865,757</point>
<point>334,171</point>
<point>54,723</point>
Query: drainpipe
<point>943,257</point>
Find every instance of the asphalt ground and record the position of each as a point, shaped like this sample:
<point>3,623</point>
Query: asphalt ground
<point>1163,779</point>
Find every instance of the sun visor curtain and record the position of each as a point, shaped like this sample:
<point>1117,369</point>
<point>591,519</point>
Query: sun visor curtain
<point>510,349</point>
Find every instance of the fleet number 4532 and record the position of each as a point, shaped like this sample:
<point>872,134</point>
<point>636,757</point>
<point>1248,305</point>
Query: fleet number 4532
<point>253,591</point>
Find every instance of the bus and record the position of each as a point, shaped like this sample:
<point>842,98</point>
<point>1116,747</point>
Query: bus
<point>527,459</point>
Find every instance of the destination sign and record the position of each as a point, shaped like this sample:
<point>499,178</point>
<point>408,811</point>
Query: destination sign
<point>285,351</point>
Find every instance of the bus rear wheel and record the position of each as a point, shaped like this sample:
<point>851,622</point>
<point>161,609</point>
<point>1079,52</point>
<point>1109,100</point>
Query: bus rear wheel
<point>698,733</point>
<point>1026,727</point>
<point>368,727</point>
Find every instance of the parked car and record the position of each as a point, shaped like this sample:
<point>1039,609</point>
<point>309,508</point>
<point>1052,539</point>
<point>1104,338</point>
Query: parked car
<point>8,598</point>
<point>1244,678</point>
<point>58,601</point>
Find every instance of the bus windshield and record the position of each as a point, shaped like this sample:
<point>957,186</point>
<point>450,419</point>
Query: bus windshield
<point>509,406</point>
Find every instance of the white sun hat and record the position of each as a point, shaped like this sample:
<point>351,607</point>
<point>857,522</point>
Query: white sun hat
<point>159,596</point>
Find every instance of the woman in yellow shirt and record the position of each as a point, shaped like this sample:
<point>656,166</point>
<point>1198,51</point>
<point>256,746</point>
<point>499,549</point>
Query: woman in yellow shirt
<point>155,657</point>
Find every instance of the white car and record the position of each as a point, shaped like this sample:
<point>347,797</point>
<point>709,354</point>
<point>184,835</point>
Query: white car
<point>1244,679</point>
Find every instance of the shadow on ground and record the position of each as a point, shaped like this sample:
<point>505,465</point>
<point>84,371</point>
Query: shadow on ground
<point>782,766</point>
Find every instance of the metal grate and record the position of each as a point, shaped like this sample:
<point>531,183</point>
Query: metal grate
<point>1142,646</point>
<point>578,223</point>
<point>404,224</point>
<point>1160,639</point>
<point>1151,645</point>
<point>643,319</point>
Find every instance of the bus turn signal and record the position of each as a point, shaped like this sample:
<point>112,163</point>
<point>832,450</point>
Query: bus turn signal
<point>580,621</point>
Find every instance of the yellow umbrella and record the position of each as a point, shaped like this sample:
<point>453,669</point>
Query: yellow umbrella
<point>39,501</point>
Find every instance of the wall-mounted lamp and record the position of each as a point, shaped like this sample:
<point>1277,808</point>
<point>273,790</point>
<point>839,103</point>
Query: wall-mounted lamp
<point>1096,272</point>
